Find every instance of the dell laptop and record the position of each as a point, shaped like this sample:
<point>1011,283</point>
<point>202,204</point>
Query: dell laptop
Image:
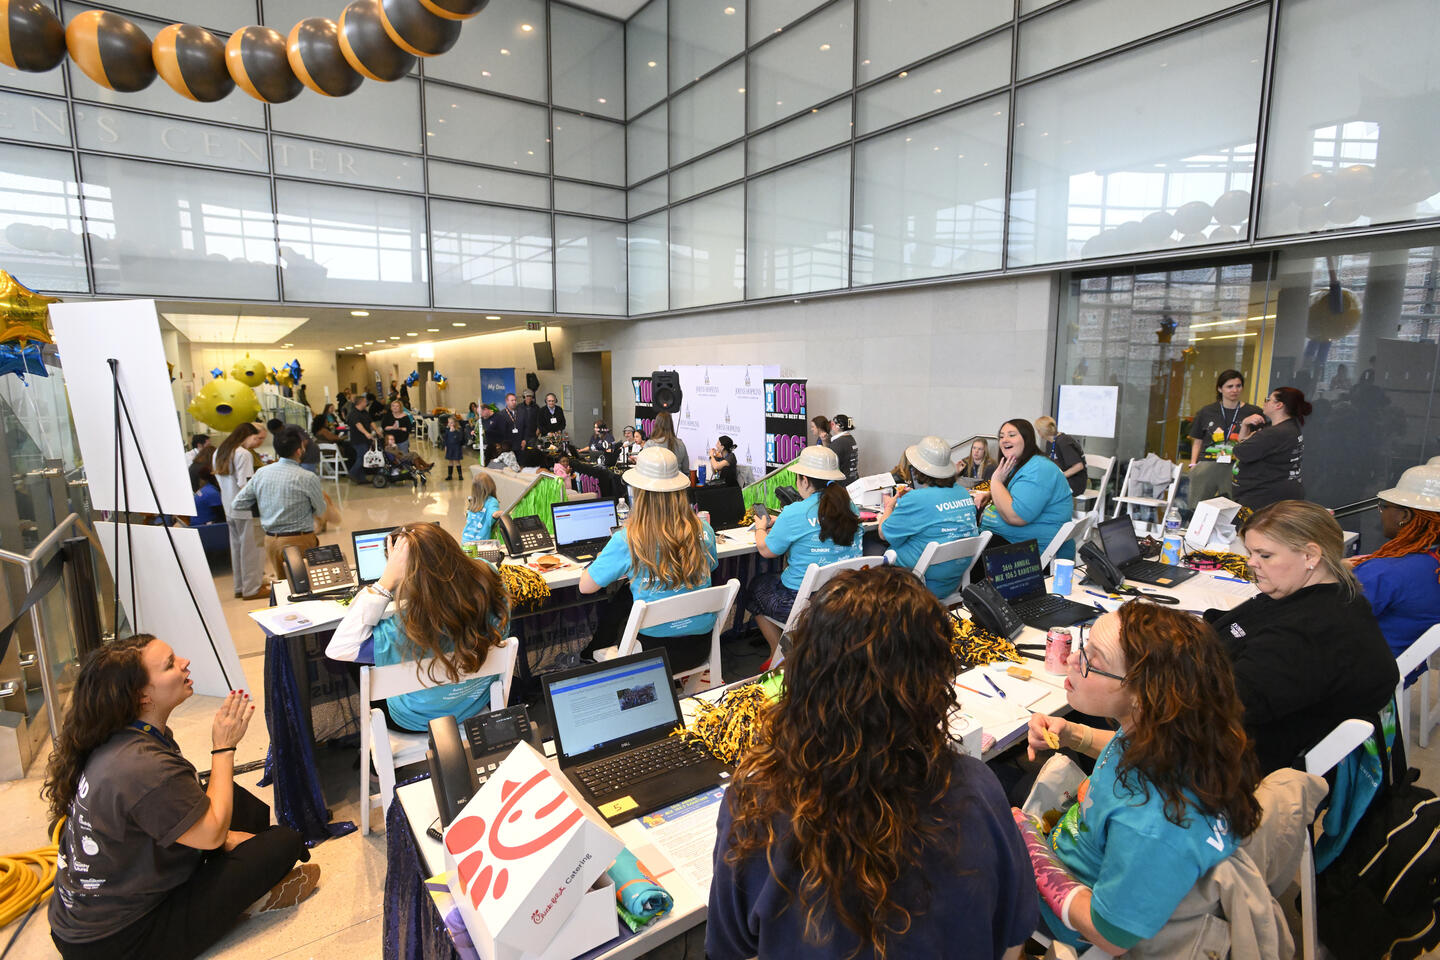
<point>1014,570</point>
<point>582,527</point>
<point>1117,538</point>
<point>726,505</point>
<point>612,723</point>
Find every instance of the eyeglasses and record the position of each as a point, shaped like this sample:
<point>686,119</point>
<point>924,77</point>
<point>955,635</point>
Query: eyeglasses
<point>1085,668</point>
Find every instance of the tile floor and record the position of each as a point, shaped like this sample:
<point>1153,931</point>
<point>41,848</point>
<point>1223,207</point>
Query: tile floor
<point>344,916</point>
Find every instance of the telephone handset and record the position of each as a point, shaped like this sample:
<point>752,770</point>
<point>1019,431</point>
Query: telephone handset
<point>1098,568</point>
<point>461,761</point>
<point>523,534</point>
<point>992,611</point>
<point>317,570</point>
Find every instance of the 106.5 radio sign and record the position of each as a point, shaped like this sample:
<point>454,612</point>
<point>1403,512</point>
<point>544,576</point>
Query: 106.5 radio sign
<point>786,423</point>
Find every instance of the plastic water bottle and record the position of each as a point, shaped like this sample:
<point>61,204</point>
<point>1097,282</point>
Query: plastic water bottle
<point>1172,522</point>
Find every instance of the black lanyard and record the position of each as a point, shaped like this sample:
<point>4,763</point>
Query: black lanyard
<point>1231,422</point>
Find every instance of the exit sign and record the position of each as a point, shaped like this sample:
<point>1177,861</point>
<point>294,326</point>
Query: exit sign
<point>532,324</point>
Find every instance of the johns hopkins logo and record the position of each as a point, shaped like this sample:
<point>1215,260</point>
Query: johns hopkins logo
<point>687,409</point>
<point>747,376</point>
<point>707,376</point>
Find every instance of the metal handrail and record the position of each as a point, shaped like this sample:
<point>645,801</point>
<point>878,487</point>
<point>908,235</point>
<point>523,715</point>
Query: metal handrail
<point>1359,506</point>
<point>44,546</point>
<point>29,563</point>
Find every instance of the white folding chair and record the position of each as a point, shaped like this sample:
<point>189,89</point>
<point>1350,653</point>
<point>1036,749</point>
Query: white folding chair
<point>391,748</point>
<point>716,600</point>
<point>1129,499</point>
<point>1076,530</point>
<point>1416,655</point>
<point>1319,760</point>
<point>816,577</point>
<point>1106,466</point>
<point>966,547</point>
<point>332,465</point>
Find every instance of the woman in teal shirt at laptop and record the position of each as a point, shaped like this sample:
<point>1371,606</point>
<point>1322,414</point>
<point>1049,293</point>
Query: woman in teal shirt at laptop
<point>1029,498</point>
<point>446,606</point>
<point>933,510</point>
<point>822,528</point>
<point>665,550</point>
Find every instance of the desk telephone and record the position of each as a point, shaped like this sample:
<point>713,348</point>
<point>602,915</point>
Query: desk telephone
<point>317,570</point>
<point>460,764</point>
<point>992,611</point>
<point>523,534</point>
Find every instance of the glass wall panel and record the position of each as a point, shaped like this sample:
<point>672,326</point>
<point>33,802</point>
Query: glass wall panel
<point>894,33</point>
<point>966,73</point>
<point>40,226</point>
<point>284,14</point>
<point>646,144</point>
<point>34,119</point>
<point>497,186</point>
<point>224,15</point>
<point>802,67</point>
<point>707,249</point>
<point>589,266</point>
<point>491,258</point>
<point>166,138</point>
<point>347,166</point>
<point>647,196</point>
<point>1085,27</point>
<point>504,49</point>
<point>821,127</point>
<point>483,129</point>
<point>646,57</point>
<point>703,35</point>
<point>799,227</point>
<point>51,81</point>
<point>587,62</point>
<point>378,115</point>
<point>715,170</point>
<point>351,246</point>
<point>1098,171</point>
<point>1353,138</point>
<point>1030,6</point>
<point>708,114</point>
<point>163,230</point>
<point>648,263</point>
<point>771,16</point>
<point>584,198</point>
<point>930,197</point>
<point>589,149</point>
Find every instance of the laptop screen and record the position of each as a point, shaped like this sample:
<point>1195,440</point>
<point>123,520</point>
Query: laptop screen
<point>582,520</point>
<point>612,704</point>
<point>725,504</point>
<point>370,553</point>
<point>1117,536</point>
<point>1014,569</point>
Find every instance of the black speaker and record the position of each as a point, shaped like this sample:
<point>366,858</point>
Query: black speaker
<point>665,391</point>
<point>532,382</point>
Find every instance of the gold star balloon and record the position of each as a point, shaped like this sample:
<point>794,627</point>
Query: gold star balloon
<point>24,314</point>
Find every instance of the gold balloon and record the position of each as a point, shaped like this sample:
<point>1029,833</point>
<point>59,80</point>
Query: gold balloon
<point>24,314</point>
<point>249,371</point>
<point>225,404</point>
<point>1323,324</point>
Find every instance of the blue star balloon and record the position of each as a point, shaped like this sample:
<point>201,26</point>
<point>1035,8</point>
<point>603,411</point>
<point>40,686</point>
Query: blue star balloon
<point>21,360</point>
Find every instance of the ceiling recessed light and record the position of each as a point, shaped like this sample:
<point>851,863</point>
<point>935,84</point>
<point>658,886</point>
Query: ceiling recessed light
<point>729,11</point>
<point>287,344</point>
<point>504,52</point>
<point>230,329</point>
<point>432,329</point>
<point>904,73</point>
<point>394,338</point>
<point>526,27</point>
<point>491,316</point>
<point>741,90</point>
<point>652,63</point>
<point>457,323</point>
<point>599,99</point>
<point>412,333</point>
<point>359,313</point>
<point>824,46</point>
<point>369,342</point>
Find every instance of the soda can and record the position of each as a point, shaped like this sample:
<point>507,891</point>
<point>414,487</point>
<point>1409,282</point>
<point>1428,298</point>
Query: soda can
<point>1057,650</point>
<point>704,516</point>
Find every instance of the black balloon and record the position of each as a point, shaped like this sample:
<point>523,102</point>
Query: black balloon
<point>111,50</point>
<point>366,45</point>
<point>255,57</point>
<point>416,30</point>
<point>192,61</point>
<point>454,9</point>
<point>35,38</point>
<point>313,49</point>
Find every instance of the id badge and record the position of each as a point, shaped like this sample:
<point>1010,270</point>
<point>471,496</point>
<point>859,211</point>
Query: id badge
<point>1223,458</point>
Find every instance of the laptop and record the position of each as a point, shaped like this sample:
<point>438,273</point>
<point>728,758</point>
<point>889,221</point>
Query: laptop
<point>371,552</point>
<point>1014,570</point>
<point>1117,538</point>
<point>726,505</point>
<point>612,724</point>
<point>582,527</point>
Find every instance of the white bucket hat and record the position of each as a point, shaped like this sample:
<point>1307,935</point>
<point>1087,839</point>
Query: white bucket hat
<point>656,470</point>
<point>819,463</point>
<point>931,456</point>
<point>1419,489</point>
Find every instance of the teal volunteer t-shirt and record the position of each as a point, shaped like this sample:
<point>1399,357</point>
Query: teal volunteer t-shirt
<point>796,534</point>
<point>1041,494</point>
<point>929,515</point>
<point>614,563</point>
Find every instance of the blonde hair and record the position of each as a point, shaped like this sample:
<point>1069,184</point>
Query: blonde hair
<point>666,544</point>
<point>482,488</point>
<point>1297,524</point>
<point>1045,427</point>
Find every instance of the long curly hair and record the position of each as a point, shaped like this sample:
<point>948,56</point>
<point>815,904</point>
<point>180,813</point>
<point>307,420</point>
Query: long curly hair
<point>1188,740</point>
<point>665,540</point>
<point>105,698</point>
<point>1420,534</point>
<point>855,756</point>
<point>452,608</point>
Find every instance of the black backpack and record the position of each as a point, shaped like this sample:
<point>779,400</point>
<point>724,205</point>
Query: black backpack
<point>1380,899</point>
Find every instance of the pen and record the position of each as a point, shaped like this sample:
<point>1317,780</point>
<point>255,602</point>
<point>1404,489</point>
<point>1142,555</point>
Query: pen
<point>973,690</point>
<point>1231,579</point>
<point>1102,596</point>
<point>995,686</point>
<point>1099,607</point>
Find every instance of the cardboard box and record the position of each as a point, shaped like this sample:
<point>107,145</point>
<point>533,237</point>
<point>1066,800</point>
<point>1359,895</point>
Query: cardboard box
<point>521,857</point>
<point>1208,515</point>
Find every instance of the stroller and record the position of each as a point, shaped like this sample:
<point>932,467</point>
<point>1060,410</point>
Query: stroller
<point>396,467</point>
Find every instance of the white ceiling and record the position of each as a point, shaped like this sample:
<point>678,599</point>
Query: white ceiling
<point>624,9</point>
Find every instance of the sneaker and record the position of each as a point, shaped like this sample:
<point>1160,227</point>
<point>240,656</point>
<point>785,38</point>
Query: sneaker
<point>294,888</point>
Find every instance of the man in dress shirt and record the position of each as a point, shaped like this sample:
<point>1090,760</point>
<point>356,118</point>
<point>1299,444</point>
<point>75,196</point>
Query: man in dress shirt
<point>289,497</point>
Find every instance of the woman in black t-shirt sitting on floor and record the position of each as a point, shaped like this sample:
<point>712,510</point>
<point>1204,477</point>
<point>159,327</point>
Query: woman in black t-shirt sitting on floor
<point>150,864</point>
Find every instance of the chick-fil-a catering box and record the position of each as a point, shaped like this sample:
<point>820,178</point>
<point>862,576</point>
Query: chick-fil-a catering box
<point>521,856</point>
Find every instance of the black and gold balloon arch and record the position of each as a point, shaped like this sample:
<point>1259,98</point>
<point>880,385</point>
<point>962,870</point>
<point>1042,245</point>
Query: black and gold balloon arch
<point>373,39</point>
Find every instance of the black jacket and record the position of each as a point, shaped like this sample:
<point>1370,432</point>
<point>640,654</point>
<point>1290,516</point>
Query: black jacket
<point>1303,664</point>
<point>551,422</point>
<point>529,418</point>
